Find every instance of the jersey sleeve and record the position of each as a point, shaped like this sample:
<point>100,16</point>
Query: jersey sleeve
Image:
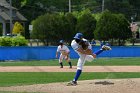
<point>58,50</point>
<point>89,46</point>
<point>74,45</point>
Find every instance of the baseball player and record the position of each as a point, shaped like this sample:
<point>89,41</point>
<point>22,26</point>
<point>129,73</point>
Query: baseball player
<point>64,53</point>
<point>83,48</point>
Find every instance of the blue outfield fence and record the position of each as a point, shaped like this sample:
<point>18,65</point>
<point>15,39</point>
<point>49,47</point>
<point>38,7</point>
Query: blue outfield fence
<point>45,53</point>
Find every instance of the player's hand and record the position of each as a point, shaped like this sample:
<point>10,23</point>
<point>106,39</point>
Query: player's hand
<point>94,55</point>
<point>64,53</point>
<point>66,57</point>
<point>87,51</point>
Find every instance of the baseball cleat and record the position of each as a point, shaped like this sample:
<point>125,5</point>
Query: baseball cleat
<point>104,47</point>
<point>72,83</point>
<point>61,67</point>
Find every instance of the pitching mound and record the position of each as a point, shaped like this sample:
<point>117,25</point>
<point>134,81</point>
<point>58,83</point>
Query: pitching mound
<point>87,86</point>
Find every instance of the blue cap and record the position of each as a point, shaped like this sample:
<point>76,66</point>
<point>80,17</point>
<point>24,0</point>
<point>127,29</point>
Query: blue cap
<point>78,36</point>
<point>61,41</point>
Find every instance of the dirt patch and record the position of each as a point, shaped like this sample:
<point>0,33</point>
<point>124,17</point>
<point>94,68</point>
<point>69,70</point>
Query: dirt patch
<point>88,86</point>
<point>66,69</point>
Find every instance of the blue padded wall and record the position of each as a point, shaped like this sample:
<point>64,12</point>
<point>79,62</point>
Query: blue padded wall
<point>45,53</point>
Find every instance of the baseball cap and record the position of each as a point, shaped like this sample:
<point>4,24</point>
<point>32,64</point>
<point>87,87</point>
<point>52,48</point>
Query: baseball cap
<point>78,36</point>
<point>61,41</point>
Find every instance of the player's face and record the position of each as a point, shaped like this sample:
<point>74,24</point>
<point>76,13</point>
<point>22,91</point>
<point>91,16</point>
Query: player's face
<point>61,44</point>
<point>77,40</point>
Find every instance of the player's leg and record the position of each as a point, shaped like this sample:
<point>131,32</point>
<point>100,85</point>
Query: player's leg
<point>70,64</point>
<point>80,64</point>
<point>69,61</point>
<point>104,48</point>
<point>60,60</point>
<point>90,58</point>
<point>67,58</point>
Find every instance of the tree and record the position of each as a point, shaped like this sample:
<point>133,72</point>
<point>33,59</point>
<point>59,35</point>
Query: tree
<point>86,24</point>
<point>53,27</point>
<point>47,27</point>
<point>135,9</point>
<point>103,26</point>
<point>40,28</point>
<point>112,27</point>
<point>18,28</point>
<point>69,26</point>
<point>124,30</point>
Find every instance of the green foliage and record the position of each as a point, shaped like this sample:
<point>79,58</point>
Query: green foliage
<point>5,41</point>
<point>109,26</point>
<point>19,41</point>
<point>46,27</point>
<point>86,24</point>
<point>97,16</point>
<point>112,27</point>
<point>63,26</point>
<point>103,26</point>
<point>68,26</point>
<point>13,41</point>
<point>79,7</point>
<point>58,26</point>
<point>39,7</point>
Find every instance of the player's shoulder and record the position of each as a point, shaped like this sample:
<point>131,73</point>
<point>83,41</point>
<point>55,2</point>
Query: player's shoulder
<point>58,46</point>
<point>85,40</point>
<point>65,46</point>
<point>74,45</point>
<point>73,42</point>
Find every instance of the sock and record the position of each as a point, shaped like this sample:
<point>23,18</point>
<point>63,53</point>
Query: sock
<point>70,64</point>
<point>61,64</point>
<point>78,73</point>
<point>98,52</point>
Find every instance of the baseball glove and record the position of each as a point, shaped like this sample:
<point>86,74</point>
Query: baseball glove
<point>84,44</point>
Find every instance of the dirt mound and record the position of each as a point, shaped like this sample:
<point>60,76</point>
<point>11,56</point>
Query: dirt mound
<point>86,86</point>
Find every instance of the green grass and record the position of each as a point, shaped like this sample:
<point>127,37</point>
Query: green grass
<point>96,62</point>
<point>29,78</point>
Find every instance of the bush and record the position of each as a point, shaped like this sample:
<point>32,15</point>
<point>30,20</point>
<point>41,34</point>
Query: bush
<point>13,41</point>
<point>19,41</point>
<point>5,41</point>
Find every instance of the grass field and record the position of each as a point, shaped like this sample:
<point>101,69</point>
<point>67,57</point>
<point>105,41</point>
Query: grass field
<point>96,62</point>
<point>27,78</point>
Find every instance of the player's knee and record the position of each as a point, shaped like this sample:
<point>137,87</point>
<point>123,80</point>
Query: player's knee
<point>89,58</point>
<point>79,68</point>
